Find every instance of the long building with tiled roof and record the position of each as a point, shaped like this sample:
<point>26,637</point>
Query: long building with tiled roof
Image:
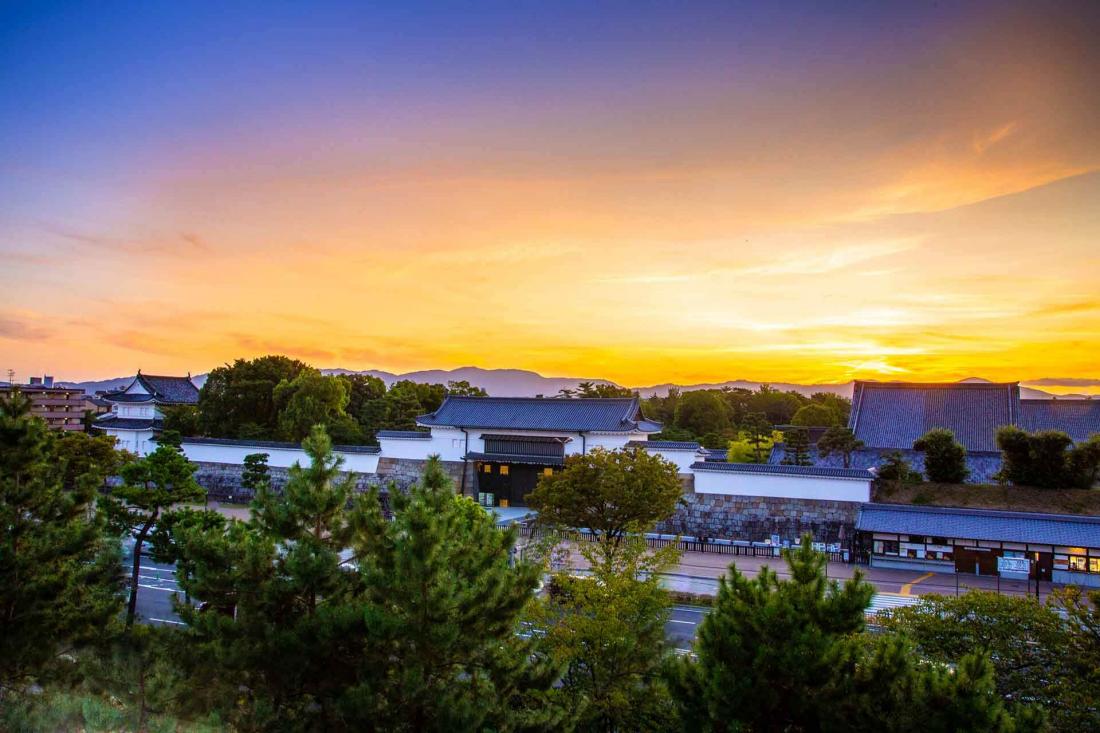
<point>890,416</point>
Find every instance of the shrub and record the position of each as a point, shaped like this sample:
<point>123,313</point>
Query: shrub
<point>944,457</point>
<point>894,467</point>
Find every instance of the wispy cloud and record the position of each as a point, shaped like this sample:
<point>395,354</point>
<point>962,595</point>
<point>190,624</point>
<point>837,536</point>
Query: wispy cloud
<point>984,142</point>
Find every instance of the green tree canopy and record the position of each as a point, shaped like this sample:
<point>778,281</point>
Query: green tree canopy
<point>944,457</point>
<point>702,412</point>
<point>839,441</point>
<point>815,415</point>
<point>311,399</point>
<point>151,485</point>
<point>759,435</point>
<point>789,655</point>
<point>59,577</point>
<point>611,493</point>
<point>1047,459</point>
<point>607,630</point>
<point>1028,643</point>
<point>443,602</point>
<point>237,400</point>
<point>796,447</point>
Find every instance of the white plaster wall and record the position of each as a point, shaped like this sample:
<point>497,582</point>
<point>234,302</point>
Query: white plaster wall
<point>682,458</point>
<point>135,441</point>
<point>137,411</point>
<point>782,487</point>
<point>610,441</point>
<point>277,457</point>
<point>449,444</point>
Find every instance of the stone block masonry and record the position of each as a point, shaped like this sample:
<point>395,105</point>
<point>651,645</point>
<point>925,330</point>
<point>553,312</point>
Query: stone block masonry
<point>222,481</point>
<point>755,519</point>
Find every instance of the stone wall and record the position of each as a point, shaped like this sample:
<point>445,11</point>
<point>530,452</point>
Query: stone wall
<point>222,481</point>
<point>754,518</point>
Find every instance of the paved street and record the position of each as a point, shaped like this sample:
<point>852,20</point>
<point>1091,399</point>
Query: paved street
<point>156,586</point>
<point>696,573</point>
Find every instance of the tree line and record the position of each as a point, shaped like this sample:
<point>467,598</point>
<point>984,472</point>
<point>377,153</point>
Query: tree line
<point>279,398</point>
<point>320,612</point>
<point>717,417</point>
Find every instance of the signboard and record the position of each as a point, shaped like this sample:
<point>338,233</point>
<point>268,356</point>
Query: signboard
<point>1013,565</point>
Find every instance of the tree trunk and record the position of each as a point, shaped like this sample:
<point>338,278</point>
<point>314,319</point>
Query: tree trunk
<point>131,608</point>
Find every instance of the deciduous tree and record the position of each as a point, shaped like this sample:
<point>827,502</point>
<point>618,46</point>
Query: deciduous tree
<point>237,400</point>
<point>815,415</point>
<point>611,493</point>
<point>608,631</point>
<point>1028,643</point>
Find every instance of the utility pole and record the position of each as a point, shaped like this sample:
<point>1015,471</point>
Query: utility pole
<point>11,377</point>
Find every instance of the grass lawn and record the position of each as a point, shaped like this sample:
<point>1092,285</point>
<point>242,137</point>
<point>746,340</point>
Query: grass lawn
<point>984,496</point>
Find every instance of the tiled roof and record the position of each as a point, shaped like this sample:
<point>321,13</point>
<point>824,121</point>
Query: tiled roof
<point>1079,418</point>
<point>277,444</point>
<point>170,390</point>
<point>528,438</point>
<point>617,415</point>
<point>516,458</point>
<point>894,414</point>
<point>129,423</point>
<point>716,455</point>
<point>123,397</point>
<point>767,468</point>
<point>977,524</point>
<point>405,434</point>
<point>665,444</point>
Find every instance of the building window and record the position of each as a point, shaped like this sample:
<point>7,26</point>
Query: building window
<point>503,470</point>
<point>886,547</point>
<point>1078,563</point>
<point>487,467</point>
<point>548,471</point>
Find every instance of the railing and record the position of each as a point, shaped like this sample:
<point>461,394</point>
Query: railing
<point>530,532</point>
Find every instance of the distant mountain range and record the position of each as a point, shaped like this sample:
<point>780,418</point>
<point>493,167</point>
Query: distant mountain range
<point>522,383</point>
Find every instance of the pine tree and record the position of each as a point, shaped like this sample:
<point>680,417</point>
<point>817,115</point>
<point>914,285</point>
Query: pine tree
<point>277,627</point>
<point>256,476</point>
<point>443,603</point>
<point>757,432</point>
<point>150,485</point>
<point>839,441</point>
<point>790,655</point>
<point>59,577</point>
<point>796,448</point>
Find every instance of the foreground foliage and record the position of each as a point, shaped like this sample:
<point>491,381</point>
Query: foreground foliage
<point>1038,654</point>
<point>59,573</point>
<point>790,655</point>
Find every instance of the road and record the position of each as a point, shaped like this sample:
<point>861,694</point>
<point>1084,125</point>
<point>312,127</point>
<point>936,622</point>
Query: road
<point>157,584</point>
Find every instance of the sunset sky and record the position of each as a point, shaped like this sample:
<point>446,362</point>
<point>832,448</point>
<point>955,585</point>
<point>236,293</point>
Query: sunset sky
<point>643,192</point>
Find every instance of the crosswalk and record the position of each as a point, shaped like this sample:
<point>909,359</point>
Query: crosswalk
<point>887,601</point>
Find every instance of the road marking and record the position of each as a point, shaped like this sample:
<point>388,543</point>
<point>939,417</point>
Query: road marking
<point>907,589</point>
<point>157,587</point>
<point>168,621</point>
<point>678,621</point>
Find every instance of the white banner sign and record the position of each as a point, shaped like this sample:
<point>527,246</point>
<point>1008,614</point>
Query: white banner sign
<point>1013,565</point>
